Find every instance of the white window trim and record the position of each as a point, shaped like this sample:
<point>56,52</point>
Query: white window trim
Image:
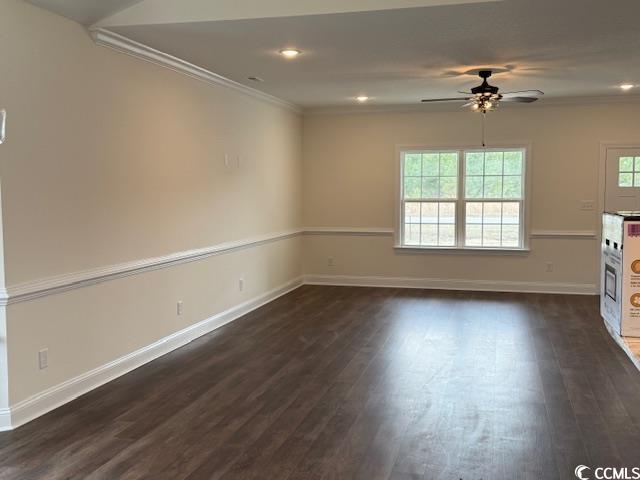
<point>460,202</point>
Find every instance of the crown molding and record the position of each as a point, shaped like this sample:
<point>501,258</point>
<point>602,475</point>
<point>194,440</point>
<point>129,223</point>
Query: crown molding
<point>120,43</point>
<point>581,101</point>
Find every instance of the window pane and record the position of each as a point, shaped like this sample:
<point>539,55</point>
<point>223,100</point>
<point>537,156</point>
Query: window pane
<point>492,187</point>
<point>430,224</point>
<point>448,187</point>
<point>412,165</point>
<point>447,213</point>
<point>411,212</point>
<point>492,213</point>
<point>431,183</point>
<point>412,234</point>
<point>491,236</point>
<point>625,179</point>
<point>429,212</point>
<point>412,187</point>
<point>473,236</point>
<point>636,179</point>
<point>474,162</point>
<point>430,164</point>
<point>430,187</point>
<point>474,213</point>
<point>493,163</point>
<point>512,163</point>
<point>510,236</point>
<point>511,213</point>
<point>429,235</point>
<point>512,187</point>
<point>473,187</point>
<point>449,164</point>
<point>447,235</point>
<point>637,164</point>
<point>626,164</point>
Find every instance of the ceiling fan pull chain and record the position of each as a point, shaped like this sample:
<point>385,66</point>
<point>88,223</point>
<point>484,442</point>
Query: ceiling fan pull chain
<point>483,134</point>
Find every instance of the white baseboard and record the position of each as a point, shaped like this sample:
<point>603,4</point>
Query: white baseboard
<point>622,343</point>
<point>56,396</point>
<point>5,419</point>
<point>452,284</point>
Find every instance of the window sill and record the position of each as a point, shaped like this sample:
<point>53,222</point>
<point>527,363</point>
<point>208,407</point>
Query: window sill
<point>462,250</point>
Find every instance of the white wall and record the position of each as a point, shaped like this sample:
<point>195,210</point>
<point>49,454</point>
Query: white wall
<point>349,176</point>
<point>110,159</point>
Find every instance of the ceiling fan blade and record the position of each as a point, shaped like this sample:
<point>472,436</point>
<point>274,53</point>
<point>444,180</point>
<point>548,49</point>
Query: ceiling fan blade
<point>465,93</point>
<point>519,99</point>
<point>523,93</point>
<point>457,99</point>
<point>468,104</point>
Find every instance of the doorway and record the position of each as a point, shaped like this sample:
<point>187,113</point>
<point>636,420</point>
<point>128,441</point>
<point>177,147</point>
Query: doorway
<point>622,179</point>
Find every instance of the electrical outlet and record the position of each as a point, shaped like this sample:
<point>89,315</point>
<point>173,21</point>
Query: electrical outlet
<point>179,307</point>
<point>549,267</point>
<point>331,262</point>
<point>241,284</point>
<point>587,205</point>
<point>43,358</point>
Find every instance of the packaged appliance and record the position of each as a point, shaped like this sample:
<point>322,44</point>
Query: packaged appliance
<point>620,277</point>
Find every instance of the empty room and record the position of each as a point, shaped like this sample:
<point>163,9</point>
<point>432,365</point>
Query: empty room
<point>321,239</point>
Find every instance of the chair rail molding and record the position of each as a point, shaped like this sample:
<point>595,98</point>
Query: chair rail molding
<point>69,281</point>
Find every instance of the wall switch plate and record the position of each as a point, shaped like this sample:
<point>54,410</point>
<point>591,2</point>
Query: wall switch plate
<point>43,358</point>
<point>548,267</point>
<point>179,308</point>
<point>241,284</point>
<point>331,261</point>
<point>587,205</point>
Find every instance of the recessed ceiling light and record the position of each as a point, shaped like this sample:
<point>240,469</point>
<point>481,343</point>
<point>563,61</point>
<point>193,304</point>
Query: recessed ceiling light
<point>362,98</point>
<point>627,86</point>
<point>290,52</point>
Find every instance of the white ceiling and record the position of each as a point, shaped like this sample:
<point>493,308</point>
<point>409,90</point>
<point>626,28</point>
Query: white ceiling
<point>396,56</point>
<point>86,12</point>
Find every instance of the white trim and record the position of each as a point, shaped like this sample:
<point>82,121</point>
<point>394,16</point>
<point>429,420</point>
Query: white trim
<point>62,283</point>
<point>5,419</point>
<point>525,202</point>
<point>426,108</point>
<point>452,284</point>
<point>576,234</point>
<point>620,340</point>
<point>69,281</point>
<point>367,231</point>
<point>56,396</point>
<point>123,44</point>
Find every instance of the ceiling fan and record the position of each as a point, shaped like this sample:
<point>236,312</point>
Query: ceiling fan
<point>485,98</point>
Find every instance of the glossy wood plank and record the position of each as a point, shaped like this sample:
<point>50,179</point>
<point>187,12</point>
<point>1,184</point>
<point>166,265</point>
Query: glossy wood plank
<point>335,383</point>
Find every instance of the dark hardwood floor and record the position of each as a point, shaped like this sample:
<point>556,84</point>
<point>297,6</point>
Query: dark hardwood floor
<point>359,383</point>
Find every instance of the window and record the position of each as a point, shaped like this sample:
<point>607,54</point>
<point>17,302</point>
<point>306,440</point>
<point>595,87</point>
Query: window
<point>463,198</point>
<point>629,172</point>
